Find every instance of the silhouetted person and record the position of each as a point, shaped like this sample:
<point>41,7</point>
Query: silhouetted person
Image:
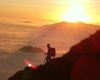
<point>51,52</point>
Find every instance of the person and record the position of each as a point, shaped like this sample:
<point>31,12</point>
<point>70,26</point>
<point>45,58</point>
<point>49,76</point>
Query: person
<point>51,52</point>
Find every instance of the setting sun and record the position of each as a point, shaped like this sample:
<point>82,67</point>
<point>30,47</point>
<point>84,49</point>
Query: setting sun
<point>76,13</point>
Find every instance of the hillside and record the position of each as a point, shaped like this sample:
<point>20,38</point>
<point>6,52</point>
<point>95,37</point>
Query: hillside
<point>82,62</point>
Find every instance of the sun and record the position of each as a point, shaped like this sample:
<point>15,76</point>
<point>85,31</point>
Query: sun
<point>76,13</point>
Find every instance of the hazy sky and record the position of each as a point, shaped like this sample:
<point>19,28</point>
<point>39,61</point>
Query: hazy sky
<point>48,11</point>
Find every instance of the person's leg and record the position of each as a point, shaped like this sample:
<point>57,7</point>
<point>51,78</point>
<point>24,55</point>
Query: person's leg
<point>48,58</point>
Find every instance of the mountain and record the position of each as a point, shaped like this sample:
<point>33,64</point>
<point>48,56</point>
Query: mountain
<point>82,62</point>
<point>31,49</point>
<point>63,33</point>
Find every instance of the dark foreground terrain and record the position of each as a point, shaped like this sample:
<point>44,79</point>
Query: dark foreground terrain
<point>82,62</point>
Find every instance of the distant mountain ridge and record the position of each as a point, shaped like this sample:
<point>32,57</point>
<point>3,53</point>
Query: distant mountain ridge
<point>69,23</point>
<point>63,33</point>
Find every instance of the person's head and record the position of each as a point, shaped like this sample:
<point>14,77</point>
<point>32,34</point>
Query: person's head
<point>48,45</point>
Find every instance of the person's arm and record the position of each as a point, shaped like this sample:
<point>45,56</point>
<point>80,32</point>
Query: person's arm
<point>47,51</point>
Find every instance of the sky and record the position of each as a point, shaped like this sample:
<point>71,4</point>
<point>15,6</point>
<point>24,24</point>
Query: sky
<point>40,12</point>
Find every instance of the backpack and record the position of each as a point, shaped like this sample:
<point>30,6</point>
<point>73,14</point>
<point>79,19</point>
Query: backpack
<point>53,52</point>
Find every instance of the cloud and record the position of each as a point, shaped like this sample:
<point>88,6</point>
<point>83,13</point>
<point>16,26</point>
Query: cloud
<point>25,22</point>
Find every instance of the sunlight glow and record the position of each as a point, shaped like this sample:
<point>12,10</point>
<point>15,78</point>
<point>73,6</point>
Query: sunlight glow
<point>76,13</point>
<point>30,65</point>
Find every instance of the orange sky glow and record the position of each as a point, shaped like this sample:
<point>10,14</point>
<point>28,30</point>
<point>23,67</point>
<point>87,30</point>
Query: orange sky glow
<point>40,12</point>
